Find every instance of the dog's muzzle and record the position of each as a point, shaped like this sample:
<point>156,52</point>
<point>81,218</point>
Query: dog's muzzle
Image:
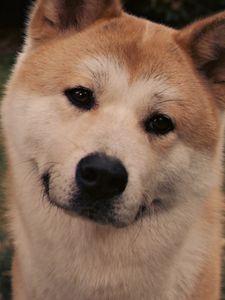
<point>100,180</point>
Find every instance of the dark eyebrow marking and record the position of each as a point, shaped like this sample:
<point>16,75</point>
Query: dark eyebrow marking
<point>169,100</point>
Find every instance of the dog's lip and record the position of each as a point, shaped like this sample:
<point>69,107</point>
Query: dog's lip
<point>45,182</point>
<point>145,209</point>
<point>90,216</point>
<point>141,212</point>
<point>68,209</point>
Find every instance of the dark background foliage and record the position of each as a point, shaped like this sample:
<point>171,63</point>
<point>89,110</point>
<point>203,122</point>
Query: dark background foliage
<point>176,13</point>
<point>171,12</point>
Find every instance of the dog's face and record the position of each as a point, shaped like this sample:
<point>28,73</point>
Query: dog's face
<point>116,119</point>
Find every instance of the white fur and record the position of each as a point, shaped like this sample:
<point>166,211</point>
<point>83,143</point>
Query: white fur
<point>88,261</point>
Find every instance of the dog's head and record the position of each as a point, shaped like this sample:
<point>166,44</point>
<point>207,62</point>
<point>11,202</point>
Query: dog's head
<point>120,117</point>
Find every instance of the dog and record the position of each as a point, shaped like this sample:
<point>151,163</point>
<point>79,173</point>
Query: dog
<point>113,129</point>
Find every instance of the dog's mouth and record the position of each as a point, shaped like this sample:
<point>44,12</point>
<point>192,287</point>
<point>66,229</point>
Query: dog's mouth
<point>101,212</point>
<point>45,182</point>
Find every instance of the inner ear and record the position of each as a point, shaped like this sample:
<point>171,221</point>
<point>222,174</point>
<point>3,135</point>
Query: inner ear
<point>81,13</point>
<point>215,69</point>
<point>208,49</point>
<point>204,41</point>
<point>50,17</point>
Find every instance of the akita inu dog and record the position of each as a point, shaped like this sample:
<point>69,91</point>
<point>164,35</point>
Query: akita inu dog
<point>113,129</point>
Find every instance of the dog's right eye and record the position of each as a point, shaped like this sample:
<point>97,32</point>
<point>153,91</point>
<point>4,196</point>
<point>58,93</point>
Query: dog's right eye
<point>81,97</point>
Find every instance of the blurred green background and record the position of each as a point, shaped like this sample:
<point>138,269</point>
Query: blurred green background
<point>176,13</point>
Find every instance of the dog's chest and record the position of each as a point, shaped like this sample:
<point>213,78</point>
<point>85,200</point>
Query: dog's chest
<point>70,273</point>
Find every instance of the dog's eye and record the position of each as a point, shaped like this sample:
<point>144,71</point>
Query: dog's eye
<point>81,97</point>
<point>159,124</point>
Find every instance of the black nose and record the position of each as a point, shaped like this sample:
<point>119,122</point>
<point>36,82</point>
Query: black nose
<point>101,176</point>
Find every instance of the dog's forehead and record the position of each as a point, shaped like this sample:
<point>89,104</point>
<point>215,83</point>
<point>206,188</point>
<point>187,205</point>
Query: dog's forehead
<point>140,45</point>
<point>143,48</point>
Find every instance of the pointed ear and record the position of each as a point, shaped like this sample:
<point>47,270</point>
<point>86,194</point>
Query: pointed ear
<point>50,17</point>
<point>205,42</point>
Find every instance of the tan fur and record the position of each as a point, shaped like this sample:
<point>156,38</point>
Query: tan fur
<point>136,68</point>
<point>208,286</point>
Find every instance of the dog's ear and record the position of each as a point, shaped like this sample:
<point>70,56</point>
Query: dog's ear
<point>51,17</point>
<point>205,43</point>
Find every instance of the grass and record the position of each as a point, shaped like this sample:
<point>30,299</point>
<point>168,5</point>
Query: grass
<point>6,62</point>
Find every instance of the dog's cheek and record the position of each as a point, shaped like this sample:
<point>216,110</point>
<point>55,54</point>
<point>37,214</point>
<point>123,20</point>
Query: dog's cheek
<point>187,178</point>
<point>35,127</point>
<point>25,121</point>
<point>18,126</point>
<point>180,178</point>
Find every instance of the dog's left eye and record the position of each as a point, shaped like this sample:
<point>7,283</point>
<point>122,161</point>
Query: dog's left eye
<point>159,124</point>
<point>81,97</point>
